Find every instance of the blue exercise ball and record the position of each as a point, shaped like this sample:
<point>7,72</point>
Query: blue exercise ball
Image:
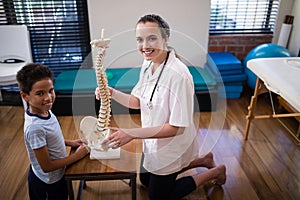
<point>263,51</point>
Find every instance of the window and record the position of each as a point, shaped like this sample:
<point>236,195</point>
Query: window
<point>243,16</point>
<point>59,31</point>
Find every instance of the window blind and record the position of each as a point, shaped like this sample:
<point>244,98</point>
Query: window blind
<point>243,16</point>
<point>59,30</point>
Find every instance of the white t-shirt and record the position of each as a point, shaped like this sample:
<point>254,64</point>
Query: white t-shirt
<point>44,131</point>
<point>173,103</point>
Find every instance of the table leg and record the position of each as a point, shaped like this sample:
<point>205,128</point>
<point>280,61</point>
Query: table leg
<point>133,187</point>
<point>259,88</point>
<point>249,117</point>
<point>82,185</point>
<point>70,189</point>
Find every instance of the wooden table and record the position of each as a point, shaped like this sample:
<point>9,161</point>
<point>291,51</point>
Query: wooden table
<point>111,169</point>
<point>278,75</point>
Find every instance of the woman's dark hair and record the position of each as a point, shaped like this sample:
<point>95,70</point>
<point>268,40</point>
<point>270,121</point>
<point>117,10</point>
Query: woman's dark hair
<point>162,24</point>
<point>30,74</point>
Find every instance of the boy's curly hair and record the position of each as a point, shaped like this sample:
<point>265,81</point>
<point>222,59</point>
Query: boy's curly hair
<point>30,74</point>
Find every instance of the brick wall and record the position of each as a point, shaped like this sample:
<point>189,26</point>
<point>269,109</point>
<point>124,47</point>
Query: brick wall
<point>239,45</point>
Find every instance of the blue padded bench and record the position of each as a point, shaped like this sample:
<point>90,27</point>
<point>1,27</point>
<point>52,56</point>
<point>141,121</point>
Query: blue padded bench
<point>83,81</point>
<point>79,86</point>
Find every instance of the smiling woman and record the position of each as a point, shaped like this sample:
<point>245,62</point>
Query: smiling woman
<point>152,34</point>
<point>164,94</point>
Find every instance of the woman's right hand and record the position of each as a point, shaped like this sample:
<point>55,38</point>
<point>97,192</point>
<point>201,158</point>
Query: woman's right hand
<point>97,92</point>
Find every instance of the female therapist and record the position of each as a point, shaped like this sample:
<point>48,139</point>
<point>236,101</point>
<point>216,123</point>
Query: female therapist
<point>165,95</point>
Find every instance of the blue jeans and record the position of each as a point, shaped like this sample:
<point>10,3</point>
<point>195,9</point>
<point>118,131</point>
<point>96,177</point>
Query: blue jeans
<point>166,187</point>
<point>39,190</point>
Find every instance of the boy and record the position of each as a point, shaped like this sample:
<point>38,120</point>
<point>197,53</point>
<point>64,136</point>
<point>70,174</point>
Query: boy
<point>43,136</point>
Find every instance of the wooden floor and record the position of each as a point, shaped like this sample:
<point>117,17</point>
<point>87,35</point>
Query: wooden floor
<point>267,166</point>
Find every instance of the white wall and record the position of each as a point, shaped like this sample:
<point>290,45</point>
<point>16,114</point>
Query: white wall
<point>294,43</point>
<point>285,8</point>
<point>189,22</point>
<point>289,7</point>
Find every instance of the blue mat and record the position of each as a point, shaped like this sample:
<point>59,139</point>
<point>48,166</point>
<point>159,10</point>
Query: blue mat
<point>228,70</point>
<point>224,61</point>
<point>228,78</point>
<point>231,72</point>
<point>230,95</point>
<point>231,91</point>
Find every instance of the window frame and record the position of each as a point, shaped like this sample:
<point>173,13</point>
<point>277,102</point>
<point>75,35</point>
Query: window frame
<point>59,44</point>
<point>238,15</point>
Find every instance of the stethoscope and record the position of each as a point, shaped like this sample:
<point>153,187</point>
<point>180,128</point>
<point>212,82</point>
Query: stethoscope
<point>150,104</point>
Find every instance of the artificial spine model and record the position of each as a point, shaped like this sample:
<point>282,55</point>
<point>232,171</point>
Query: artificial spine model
<point>103,119</point>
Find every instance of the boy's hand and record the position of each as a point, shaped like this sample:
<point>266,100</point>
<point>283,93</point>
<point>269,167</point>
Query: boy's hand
<point>74,143</point>
<point>82,151</point>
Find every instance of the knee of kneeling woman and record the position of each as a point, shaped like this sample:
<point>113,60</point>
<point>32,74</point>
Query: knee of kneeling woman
<point>144,178</point>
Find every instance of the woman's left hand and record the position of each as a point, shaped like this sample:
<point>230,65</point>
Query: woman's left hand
<point>118,138</point>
